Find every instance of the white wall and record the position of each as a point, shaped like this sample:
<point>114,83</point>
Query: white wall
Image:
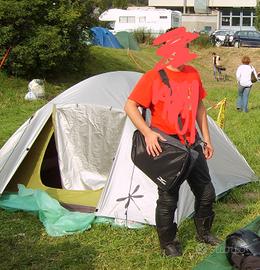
<point>232,3</point>
<point>168,3</point>
<point>212,3</point>
<point>199,21</point>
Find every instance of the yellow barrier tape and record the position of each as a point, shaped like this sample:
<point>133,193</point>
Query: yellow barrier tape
<point>215,106</point>
<point>221,114</point>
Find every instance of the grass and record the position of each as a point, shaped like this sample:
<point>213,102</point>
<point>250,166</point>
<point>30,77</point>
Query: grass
<point>24,243</point>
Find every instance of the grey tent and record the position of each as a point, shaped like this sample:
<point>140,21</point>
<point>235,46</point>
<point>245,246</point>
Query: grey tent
<point>77,148</point>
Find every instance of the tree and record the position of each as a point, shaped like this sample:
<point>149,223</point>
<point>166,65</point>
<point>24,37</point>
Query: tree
<point>107,4</point>
<point>44,35</point>
<point>257,19</point>
<point>138,2</point>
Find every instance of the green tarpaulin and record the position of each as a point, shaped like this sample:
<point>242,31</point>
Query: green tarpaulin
<point>217,260</point>
<point>56,219</point>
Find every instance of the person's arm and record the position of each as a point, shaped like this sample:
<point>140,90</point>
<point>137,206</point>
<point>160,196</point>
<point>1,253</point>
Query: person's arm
<point>151,138</point>
<point>218,61</point>
<point>238,74</point>
<point>256,75</point>
<point>203,125</point>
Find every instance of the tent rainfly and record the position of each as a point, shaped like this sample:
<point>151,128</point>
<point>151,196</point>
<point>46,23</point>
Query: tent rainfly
<point>103,37</point>
<point>127,40</point>
<point>77,149</point>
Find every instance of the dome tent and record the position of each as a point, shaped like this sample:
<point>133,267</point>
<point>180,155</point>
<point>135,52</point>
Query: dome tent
<point>127,40</point>
<point>103,37</point>
<point>86,127</point>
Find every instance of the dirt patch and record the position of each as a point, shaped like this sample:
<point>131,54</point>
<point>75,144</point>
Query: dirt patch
<point>237,207</point>
<point>230,58</point>
<point>252,195</point>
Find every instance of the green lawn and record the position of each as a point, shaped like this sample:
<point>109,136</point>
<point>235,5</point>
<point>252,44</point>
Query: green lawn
<point>24,243</point>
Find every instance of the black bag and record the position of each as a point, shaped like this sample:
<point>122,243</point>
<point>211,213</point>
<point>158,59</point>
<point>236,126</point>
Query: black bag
<point>221,68</point>
<point>250,263</point>
<point>173,165</point>
<point>246,262</point>
<point>168,169</point>
<point>243,249</point>
<point>253,77</point>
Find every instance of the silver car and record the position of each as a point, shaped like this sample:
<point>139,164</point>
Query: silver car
<point>222,37</point>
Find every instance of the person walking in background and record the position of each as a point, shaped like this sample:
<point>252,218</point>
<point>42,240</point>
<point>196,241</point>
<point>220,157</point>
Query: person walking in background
<point>186,101</point>
<point>243,75</point>
<point>216,66</point>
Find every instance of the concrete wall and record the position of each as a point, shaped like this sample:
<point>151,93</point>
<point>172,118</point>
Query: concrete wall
<point>197,22</point>
<point>212,3</point>
<point>232,3</point>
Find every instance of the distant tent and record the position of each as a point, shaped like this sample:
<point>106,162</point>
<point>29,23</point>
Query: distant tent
<point>77,148</point>
<point>127,40</point>
<point>103,37</point>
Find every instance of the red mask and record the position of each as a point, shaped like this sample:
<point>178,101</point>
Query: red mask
<point>173,47</point>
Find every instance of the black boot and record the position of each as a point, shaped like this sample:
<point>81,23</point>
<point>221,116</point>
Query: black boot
<point>203,226</point>
<point>169,245</point>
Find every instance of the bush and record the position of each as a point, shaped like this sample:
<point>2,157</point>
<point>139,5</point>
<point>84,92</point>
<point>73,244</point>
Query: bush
<point>44,35</point>
<point>143,37</point>
<point>203,41</point>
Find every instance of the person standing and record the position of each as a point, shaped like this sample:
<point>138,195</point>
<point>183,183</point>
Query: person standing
<point>243,76</point>
<point>216,66</point>
<point>185,100</point>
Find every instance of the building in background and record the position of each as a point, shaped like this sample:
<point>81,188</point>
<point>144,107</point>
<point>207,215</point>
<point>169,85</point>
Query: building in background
<point>209,15</point>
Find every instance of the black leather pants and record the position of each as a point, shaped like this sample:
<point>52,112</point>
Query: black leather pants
<point>200,183</point>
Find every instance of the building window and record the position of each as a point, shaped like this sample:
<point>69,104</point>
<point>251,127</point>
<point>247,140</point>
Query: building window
<point>246,21</point>
<point>163,17</point>
<point>190,10</point>
<point>237,17</point>
<point>127,19</point>
<point>226,11</point>
<point>236,11</point>
<point>235,21</point>
<point>247,12</point>
<point>226,21</point>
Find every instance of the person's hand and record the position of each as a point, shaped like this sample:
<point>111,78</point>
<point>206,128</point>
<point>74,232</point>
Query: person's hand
<point>208,150</point>
<point>152,144</point>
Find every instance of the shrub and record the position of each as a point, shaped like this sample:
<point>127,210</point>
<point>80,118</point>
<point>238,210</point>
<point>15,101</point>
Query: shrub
<point>44,35</point>
<point>203,41</point>
<point>143,37</point>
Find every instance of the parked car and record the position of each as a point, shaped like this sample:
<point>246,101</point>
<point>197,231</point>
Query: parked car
<point>222,37</point>
<point>248,38</point>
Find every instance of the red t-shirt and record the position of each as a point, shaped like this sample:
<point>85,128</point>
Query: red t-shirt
<point>187,90</point>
